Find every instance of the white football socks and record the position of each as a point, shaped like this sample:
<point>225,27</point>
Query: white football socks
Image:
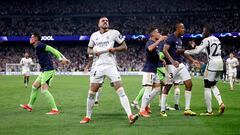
<point>124,101</point>
<point>145,97</point>
<point>90,103</point>
<point>217,94</point>
<point>188,95</point>
<point>177,95</point>
<point>208,99</point>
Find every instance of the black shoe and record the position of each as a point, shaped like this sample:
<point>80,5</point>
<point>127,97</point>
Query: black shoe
<point>176,107</point>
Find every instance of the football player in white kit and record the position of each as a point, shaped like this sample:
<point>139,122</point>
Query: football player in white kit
<point>231,66</point>
<point>26,63</point>
<point>212,46</point>
<point>101,44</point>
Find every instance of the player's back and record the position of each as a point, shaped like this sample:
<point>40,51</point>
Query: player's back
<point>213,49</point>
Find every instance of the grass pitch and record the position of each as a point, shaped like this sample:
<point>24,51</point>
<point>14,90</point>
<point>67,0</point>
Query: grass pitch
<point>109,118</point>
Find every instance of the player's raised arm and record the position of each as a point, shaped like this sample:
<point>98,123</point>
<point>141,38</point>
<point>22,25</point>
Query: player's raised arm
<point>197,49</point>
<point>57,54</point>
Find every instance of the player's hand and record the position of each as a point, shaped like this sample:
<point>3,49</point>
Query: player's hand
<point>175,64</point>
<point>163,62</point>
<point>192,44</point>
<point>112,50</point>
<point>96,53</point>
<point>162,38</point>
<point>65,61</point>
<point>197,64</point>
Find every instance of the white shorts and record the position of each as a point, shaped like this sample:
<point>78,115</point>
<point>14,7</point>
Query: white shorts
<point>98,74</point>
<point>232,73</point>
<point>150,78</point>
<point>174,75</point>
<point>212,75</point>
<point>26,72</point>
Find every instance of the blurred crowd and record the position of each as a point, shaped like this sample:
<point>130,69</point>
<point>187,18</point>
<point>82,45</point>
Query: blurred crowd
<point>62,17</point>
<point>132,60</point>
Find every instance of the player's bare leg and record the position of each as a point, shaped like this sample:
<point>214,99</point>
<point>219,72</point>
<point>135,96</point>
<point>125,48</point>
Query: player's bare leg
<point>188,94</point>
<point>124,101</point>
<point>90,102</point>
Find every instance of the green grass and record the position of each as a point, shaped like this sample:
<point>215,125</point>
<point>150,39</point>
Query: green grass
<point>109,118</point>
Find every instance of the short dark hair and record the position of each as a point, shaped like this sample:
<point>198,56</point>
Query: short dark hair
<point>210,28</point>
<point>151,30</point>
<point>38,36</point>
<point>177,23</point>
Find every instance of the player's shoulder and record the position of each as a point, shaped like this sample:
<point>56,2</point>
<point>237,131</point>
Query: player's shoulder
<point>113,31</point>
<point>94,34</point>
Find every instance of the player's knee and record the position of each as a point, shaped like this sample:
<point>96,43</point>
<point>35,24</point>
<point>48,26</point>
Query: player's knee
<point>94,87</point>
<point>117,85</point>
<point>167,88</point>
<point>34,88</point>
<point>44,87</point>
<point>36,85</point>
<point>188,85</point>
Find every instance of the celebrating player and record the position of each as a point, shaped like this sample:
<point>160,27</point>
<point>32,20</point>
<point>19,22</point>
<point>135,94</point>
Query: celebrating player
<point>176,70</point>
<point>44,80</point>
<point>101,45</point>
<point>150,81</point>
<point>26,62</point>
<point>231,66</point>
<point>214,69</point>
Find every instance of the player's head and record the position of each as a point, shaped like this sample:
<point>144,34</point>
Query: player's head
<point>26,55</point>
<point>179,28</point>
<point>208,30</point>
<point>35,38</point>
<point>231,55</point>
<point>154,33</point>
<point>103,23</point>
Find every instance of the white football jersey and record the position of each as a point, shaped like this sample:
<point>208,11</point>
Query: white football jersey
<point>232,63</point>
<point>212,47</point>
<point>26,63</point>
<point>102,42</point>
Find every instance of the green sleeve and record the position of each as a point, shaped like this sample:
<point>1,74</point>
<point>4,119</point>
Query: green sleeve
<point>161,55</point>
<point>55,52</point>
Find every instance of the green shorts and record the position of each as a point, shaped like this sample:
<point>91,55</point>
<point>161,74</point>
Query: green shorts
<point>46,77</point>
<point>161,73</point>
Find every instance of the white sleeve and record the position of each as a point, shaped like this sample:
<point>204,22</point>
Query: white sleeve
<point>198,49</point>
<point>237,62</point>
<point>21,62</point>
<point>31,61</point>
<point>118,37</point>
<point>91,42</point>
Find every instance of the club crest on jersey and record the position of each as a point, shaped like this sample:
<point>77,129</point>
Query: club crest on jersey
<point>120,36</point>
